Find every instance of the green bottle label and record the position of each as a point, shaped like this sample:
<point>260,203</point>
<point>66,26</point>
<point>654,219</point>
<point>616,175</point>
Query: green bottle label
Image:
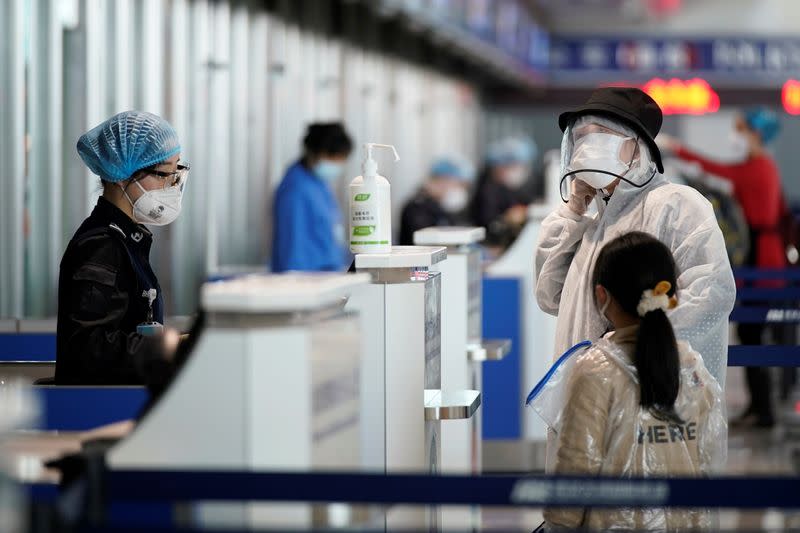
<point>363,231</point>
<point>361,197</point>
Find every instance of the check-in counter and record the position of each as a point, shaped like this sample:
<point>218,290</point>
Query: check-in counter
<point>273,383</point>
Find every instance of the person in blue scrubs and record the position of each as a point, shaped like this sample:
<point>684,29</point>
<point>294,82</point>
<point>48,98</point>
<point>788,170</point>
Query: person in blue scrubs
<point>308,230</point>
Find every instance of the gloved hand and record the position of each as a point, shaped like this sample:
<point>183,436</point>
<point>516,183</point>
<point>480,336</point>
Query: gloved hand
<point>581,195</point>
<point>667,142</point>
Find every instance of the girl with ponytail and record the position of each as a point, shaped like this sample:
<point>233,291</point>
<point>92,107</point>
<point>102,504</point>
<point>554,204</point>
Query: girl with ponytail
<point>638,402</point>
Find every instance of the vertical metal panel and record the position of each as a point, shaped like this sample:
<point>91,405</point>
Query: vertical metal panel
<point>150,41</point>
<point>44,109</point>
<point>294,109</point>
<point>276,96</point>
<point>146,54</point>
<point>354,95</point>
<point>404,116</point>
<point>182,266</point>
<point>328,85</point>
<point>121,55</point>
<point>55,147</point>
<point>12,157</point>
<point>95,17</point>
<point>77,187</point>
<point>197,134</point>
<point>235,228</point>
<point>259,181</point>
<point>218,137</point>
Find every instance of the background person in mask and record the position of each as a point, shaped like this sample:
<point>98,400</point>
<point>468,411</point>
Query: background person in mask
<point>500,203</point>
<point>441,201</point>
<point>308,233</point>
<point>106,287</point>
<point>609,156</point>
<point>757,188</point>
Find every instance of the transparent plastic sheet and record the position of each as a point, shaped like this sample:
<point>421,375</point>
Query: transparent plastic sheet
<point>590,399</point>
<point>548,396</point>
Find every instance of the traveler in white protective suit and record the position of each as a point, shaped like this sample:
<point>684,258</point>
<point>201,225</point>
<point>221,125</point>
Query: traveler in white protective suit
<point>636,403</point>
<point>609,156</point>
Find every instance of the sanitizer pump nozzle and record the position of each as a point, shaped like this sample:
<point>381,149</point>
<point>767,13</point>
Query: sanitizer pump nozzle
<point>370,166</point>
<point>370,207</point>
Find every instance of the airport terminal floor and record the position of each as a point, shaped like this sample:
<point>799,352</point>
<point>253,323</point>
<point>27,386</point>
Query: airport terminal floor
<point>399,265</point>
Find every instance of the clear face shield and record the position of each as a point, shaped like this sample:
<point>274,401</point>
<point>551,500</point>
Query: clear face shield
<point>600,151</point>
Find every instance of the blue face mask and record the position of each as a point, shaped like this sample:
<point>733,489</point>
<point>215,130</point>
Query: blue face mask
<point>327,170</point>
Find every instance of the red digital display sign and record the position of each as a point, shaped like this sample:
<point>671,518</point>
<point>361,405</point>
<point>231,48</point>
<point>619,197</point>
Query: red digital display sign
<point>683,97</point>
<point>790,96</point>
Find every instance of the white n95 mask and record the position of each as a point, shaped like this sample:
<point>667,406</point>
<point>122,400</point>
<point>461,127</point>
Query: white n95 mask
<point>740,146</point>
<point>596,159</point>
<point>455,200</point>
<point>157,207</point>
<point>515,176</point>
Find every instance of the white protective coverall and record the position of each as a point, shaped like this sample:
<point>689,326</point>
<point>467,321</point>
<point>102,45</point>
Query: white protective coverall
<point>675,214</point>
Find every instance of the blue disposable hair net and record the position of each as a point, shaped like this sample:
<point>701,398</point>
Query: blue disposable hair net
<point>512,150</point>
<point>763,121</point>
<point>127,142</point>
<point>452,167</point>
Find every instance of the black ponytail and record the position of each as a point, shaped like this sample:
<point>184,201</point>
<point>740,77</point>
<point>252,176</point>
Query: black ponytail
<point>657,364</point>
<point>627,267</point>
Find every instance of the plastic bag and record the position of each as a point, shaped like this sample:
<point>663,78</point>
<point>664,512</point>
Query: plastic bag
<point>547,397</point>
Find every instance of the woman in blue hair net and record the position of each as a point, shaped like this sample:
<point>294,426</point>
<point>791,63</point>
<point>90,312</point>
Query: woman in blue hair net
<point>757,187</point>
<point>110,306</point>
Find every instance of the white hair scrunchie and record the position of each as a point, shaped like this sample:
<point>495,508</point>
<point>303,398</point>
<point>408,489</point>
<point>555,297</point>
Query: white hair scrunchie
<point>655,299</point>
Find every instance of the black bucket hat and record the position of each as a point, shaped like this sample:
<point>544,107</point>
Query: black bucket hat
<point>629,105</point>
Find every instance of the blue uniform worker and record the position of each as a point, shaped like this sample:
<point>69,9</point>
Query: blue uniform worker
<point>308,230</point>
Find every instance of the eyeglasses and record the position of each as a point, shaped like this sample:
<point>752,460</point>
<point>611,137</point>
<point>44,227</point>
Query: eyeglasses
<point>172,179</point>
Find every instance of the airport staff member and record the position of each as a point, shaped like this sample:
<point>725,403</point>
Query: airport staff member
<point>106,286</point>
<point>308,232</point>
<point>757,187</point>
<point>500,203</point>
<point>441,200</point>
<point>610,157</point>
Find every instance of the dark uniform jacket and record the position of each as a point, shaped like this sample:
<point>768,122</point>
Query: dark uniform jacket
<point>104,273</point>
<point>423,212</point>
